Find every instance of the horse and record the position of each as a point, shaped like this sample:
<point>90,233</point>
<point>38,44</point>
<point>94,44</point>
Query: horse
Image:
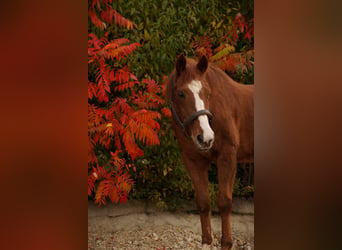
<point>213,121</point>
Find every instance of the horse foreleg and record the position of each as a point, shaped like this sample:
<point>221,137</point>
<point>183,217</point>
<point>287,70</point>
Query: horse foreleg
<point>226,167</point>
<point>198,171</point>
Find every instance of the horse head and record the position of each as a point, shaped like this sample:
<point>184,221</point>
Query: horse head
<point>190,95</point>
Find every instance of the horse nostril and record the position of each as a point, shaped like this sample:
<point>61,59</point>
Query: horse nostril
<point>210,141</point>
<point>200,139</point>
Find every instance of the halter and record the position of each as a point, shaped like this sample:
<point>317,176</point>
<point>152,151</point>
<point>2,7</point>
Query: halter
<point>191,117</point>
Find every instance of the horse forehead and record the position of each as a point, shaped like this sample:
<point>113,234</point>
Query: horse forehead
<point>195,86</point>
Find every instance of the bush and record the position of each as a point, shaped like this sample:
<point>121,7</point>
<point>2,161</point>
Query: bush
<point>162,30</point>
<point>161,176</point>
<point>123,111</point>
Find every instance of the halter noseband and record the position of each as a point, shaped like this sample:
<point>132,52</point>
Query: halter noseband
<point>191,117</point>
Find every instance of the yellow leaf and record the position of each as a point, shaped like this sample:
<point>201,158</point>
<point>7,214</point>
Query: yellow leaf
<point>146,35</point>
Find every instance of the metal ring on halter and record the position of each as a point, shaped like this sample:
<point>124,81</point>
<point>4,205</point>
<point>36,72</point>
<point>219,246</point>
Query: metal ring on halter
<point>191,117</point>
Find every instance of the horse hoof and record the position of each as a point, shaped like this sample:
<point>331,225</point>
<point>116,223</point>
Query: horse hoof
<point>207,247</point>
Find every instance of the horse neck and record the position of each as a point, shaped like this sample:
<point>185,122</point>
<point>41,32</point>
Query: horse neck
<point>222,81</point>
<point>225,88</point>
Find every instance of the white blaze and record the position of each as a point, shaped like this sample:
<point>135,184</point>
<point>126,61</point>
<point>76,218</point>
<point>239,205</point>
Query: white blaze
<point>195,87</point>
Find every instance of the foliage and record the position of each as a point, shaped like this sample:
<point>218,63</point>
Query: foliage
<point>130,135</point>
<point>161,176</point>
<point>235,55</point>
<point>167,28</point>
<point>122,116</point>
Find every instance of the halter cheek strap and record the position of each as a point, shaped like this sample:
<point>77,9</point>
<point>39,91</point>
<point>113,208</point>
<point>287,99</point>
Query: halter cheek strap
<point>191,117</point>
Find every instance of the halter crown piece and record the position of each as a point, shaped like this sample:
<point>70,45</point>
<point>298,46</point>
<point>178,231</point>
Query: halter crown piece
<point>191,117</point>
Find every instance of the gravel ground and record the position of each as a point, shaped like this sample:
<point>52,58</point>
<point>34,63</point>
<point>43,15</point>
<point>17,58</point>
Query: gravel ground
<point>134,227</point>
<point>160,237</point>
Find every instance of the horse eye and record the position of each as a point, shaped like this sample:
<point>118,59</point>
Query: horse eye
<point>181,94</point>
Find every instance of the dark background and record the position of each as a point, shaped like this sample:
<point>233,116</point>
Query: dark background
<point>44,125</point>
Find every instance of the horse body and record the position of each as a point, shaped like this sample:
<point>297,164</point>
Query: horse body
<point>227,139</point>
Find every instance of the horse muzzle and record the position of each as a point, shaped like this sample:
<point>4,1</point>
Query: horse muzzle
<point>204,144</point>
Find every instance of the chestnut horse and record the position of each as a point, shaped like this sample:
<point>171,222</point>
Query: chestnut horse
<point>213,120</point>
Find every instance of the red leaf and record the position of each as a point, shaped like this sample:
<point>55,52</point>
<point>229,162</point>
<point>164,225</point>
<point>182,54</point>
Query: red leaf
<point>116,124</point>
<point>166,112</point>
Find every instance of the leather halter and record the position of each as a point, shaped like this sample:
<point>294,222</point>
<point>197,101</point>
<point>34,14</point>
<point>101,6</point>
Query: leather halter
<point>191,117</point>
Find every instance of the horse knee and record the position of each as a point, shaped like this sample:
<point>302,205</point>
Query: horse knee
<point>224,203</point>
<point>203,205</point>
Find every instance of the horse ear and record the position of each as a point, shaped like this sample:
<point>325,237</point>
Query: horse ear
<point>202,65</point>
<point>180,64</point>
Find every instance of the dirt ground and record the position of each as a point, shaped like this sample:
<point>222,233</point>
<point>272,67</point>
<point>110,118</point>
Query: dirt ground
<point>137,225</point>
